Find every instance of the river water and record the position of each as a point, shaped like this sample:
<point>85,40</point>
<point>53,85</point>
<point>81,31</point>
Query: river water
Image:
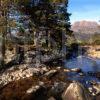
<point>87,65</point>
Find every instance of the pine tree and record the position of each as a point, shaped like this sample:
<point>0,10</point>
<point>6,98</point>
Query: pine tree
<point>51,16</point>
<point>3,29</point>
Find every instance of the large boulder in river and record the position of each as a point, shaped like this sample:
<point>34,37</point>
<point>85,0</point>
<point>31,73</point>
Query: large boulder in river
<point>76,91</point>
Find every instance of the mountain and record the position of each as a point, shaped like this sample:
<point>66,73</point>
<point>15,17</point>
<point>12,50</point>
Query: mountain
<point>87,27</point>
<point>85,30</point>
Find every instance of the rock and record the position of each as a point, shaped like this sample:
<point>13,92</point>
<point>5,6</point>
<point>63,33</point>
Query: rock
<point>58,68</point>
<point>51,98</point>
<point>21,71</point>
<point>93,82</point>
<point>90,89</point>
<point>98,75</point>
<point>76,91</point>
<point>41,83</point>
<point>50,73</point>
<point>58,87</point>
<point>94,74</point>
<point>67,70</point>
<point>9,55</point>
<point>33,89</point>
<point>81,74</point>
<point>76,70</point>
<point>45,69</point>
<point>97,88</point>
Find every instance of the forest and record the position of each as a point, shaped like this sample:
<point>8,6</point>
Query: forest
<point>36,45</point>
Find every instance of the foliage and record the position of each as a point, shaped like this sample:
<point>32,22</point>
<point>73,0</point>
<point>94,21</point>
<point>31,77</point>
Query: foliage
<point>50,16</point>
<point>96,39</point>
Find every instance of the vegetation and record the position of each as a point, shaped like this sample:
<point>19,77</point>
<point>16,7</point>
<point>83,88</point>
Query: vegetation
<point>51,17</point>
<point>47,26</point>
<point>93,39</point>
<point>96,39</point>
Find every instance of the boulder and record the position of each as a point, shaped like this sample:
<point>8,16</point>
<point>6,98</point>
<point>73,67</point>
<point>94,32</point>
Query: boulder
<point>76,91</point>
<point>50,73</point>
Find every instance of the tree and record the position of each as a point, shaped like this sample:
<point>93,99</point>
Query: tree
<point>3,19</point>
<point>51,16</point>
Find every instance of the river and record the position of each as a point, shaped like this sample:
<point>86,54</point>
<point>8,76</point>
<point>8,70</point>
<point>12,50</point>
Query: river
<point>88,65</point>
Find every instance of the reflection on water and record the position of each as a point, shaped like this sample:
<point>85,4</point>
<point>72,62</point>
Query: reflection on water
<point>86,64</point>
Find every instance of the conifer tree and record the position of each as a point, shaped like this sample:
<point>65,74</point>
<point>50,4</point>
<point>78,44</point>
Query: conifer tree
<point>4,4</point>
<point>53,18</point>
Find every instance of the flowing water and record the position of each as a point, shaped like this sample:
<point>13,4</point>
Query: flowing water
<point>87,65</point>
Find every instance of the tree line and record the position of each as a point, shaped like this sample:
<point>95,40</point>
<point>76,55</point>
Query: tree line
<point>49,20</point>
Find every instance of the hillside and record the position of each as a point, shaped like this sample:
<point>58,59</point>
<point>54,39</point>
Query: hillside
<point>89,27</point>
<point>86,31</point>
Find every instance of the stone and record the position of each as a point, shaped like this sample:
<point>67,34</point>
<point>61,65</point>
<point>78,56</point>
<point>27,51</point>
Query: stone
<point>45,69</point>
<point>50,73</point>
<point>81,74</point>
<point>90,89</point>
<point>41,83</point>
<point>33,89</point>
<point>51,98</point>
<point>76,70</point>
<point>23,71</point>
<point>58,87</point>
<point>58,68</point>
<point>76,91</point>
<point>67,70</point>
<point>97,88</point>
<point>93,82</point>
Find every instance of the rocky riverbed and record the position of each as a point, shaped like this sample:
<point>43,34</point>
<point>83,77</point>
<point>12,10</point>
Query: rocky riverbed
<point>28,82</point>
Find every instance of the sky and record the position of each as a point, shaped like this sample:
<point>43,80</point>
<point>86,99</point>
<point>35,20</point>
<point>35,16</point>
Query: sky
<point>84,10</point>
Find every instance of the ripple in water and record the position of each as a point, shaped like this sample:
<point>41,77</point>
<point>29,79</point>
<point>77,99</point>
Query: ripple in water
<point>86,64</point>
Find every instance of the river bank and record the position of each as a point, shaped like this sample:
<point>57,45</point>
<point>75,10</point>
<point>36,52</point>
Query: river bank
<point>27,82</point>
<point>93,51</point>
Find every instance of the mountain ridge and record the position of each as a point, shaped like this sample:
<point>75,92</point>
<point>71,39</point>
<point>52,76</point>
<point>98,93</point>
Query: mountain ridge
<point>84,26</point>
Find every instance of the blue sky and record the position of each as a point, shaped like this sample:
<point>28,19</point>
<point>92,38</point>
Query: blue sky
<point>84,10</point>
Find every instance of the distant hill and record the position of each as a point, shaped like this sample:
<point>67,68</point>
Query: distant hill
<point>88,27</point>
<point>85,31</point>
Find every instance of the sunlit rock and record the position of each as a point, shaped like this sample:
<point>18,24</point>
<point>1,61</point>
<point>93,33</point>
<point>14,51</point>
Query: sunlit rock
<point>76,91</point>
<point>33,89</point>
<point>51,98</point>
<point>50,73</point>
